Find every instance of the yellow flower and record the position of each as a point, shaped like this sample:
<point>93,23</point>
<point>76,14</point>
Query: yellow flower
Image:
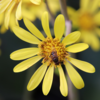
<point>53,51</point>
<point>87,19</point>
<point>7,6</point>
<point>29,12</point>
<point>13,6</point>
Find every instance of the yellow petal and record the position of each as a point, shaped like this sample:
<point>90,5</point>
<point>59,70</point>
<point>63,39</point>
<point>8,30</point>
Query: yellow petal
<point>37,77</point>
<point>97,30</point>
<point>33,29</point>
<point>84,4</point>
<point>4,4</point>
<point>71,11</point>
<point>37,12</point>
<point>77,47</point>
<point>25,35</point>
<point>13,21</point>
<point>71,38</point>
<point>59,26</point>
<point>74,76</point>
<point>97,18</point>
<point>54,6</point>
<point>7,14</point>
<point>45,24</point>
<point>94,5</point>
<point>18,11</point>
<point>37,2</point>
<point>47,82</point>
<point>1,18</point>
<point>27,13</point>
<point>24,53</point>
<point>82,65</point>
<point>86,36</point>
<point>3,29</point>
<point>90,38</point>
<point>74,16</point>
<point>63,82</point>
<point>26,64</point>
<point>95,44</point>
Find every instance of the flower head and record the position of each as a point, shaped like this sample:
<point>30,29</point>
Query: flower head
<point>87,20</point>
<point>54,53</point>
<point>8,6</point>
<point>13,6</point>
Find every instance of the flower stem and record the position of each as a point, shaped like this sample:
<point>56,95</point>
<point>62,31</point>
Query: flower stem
<point>72,93</point>
<point>68,23</point>
<point>63,9</point>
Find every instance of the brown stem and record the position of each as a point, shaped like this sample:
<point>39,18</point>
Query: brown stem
<point>63,9</point>
<point>51,15</point>
<point>63,5</point>
<point>72,93</point>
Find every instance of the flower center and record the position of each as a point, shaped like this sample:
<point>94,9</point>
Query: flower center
<point>53,51</point>
<point>86,21</point>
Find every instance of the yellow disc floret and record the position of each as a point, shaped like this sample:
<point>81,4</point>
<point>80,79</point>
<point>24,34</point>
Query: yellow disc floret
<point>53,50</point>
<point>86,21</point>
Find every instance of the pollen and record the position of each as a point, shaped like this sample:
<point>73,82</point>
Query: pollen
<point>86,21</point>
<point>53,51</point>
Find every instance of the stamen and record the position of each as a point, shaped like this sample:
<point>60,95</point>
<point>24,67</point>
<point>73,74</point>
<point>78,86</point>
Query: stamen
<point>53,51</point>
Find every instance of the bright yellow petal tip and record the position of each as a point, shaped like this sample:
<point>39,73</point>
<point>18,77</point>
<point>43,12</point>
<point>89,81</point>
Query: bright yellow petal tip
<point>71,38</point>
<point>59,26</point>
<point>18,11</point>
<point>26,64</point>
<point>45,24</point>
<point>37,2</point>
<point>33,29</point>
<point>48,79</point>
<point>63,82</point>
<point>82,65</point>
<point>74,76</point>
<point>77,47</point>
<point>25,35</point>
<point>37,77</point>
<point>24,53</point>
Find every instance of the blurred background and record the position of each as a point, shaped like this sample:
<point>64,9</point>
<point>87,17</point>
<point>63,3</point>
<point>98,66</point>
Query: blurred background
<point>13,85</point>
